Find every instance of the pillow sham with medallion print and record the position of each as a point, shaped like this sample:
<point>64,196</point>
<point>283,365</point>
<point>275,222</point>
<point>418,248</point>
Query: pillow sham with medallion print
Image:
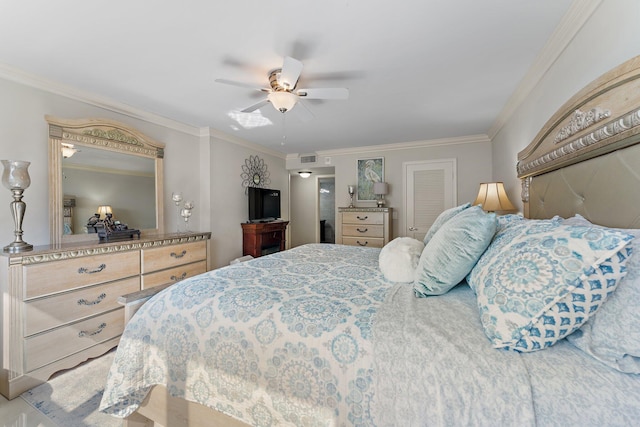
<point>613,335</point>
<point>540,280</point>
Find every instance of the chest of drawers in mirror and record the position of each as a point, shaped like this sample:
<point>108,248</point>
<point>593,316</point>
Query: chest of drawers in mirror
<point>60,304</point>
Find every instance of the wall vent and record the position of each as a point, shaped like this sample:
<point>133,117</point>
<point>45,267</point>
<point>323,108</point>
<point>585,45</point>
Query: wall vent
<point>308,158</point>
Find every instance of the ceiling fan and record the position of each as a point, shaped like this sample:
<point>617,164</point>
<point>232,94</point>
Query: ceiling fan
<point>283,93</point>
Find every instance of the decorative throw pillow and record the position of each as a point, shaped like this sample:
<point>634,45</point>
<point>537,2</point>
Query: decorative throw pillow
<point>613,336</point>
<point>443,218</point>
<point>543,280</point>
<point>453,251</point>
<point>399,258</point>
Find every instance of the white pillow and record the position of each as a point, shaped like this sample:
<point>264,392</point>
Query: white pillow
<point>399,258</point>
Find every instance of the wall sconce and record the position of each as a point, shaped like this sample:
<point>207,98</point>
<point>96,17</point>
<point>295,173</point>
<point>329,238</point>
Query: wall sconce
<point>16,178</point>
<point>68,150</point>
<point>304,174</point>
<point>493,197</point>
<point>380,189</point>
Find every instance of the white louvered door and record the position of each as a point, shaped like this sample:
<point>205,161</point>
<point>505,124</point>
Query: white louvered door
<point>430,188</point>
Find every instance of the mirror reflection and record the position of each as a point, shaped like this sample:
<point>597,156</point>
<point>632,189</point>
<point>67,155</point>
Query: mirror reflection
<point>93,179</point>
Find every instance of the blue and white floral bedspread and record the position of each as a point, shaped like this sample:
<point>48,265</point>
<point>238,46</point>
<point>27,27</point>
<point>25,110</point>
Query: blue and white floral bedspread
<point>283,339</point>
<point>315,336</point>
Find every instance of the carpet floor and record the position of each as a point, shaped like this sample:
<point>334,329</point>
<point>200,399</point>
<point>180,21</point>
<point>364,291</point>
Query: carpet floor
<point>72,398</point>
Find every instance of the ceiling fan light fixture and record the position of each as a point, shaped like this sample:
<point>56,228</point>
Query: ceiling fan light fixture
<point>304,174</point>
<point>282,101</point>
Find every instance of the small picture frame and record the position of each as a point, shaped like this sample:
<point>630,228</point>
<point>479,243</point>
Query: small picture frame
<point>369,171</point>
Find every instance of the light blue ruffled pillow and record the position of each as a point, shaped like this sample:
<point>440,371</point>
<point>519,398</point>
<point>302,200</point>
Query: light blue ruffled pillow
<point>443,218</point>
<point>453,251</point>
<point>613,335</point>
<point>539,281</point>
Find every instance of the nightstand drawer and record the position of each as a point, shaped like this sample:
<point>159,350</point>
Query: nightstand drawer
<point>362,230</point>
<point>50,312</point>
<point>371,242</point>
<point>173,275</point>
<point>52,277</point>
<point>363,218</point>
<point>48,347</point>
<point>155,259</point>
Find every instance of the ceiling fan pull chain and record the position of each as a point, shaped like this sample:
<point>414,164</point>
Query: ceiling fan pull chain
<point>284,129</point>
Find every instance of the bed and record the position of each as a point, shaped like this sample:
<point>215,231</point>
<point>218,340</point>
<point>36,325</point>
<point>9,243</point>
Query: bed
<point>324,334</point>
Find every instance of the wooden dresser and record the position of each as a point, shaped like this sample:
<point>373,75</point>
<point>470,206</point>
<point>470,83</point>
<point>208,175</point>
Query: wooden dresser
<point>365,226</point>
<point>60,305</point>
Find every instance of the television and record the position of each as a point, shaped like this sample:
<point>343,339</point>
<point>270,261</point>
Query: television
<point>264,204</point>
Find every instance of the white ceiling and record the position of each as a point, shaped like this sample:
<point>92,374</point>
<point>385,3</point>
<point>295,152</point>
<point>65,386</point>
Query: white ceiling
<point>417,70</point>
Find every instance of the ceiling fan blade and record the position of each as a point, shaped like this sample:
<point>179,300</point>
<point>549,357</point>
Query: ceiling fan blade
<point>301,112</point>
<point>246,85</point>
<point>254,107</point>
<point>324,93</point>
<point>291,69</point>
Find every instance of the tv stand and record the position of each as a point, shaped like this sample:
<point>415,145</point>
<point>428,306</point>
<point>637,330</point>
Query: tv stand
<point>263,238</point>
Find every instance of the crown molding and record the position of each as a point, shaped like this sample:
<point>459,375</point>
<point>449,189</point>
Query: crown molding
<point>207,132</point>
<point>13,74</point>
<point>471,139</point>
<point>577,15</point>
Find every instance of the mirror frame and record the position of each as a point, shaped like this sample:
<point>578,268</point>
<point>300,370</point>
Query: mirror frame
<point>103,134</point>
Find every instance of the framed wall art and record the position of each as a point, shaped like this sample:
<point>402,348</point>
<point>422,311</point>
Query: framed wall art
<point>370,170</point>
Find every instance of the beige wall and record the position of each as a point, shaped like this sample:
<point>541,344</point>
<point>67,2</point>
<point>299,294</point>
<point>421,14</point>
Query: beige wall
<point>473,164</point>
<point>610,37</point>
<point>229,204</point>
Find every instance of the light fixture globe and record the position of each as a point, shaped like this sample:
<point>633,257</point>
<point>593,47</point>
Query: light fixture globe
<point>304,174</point>
<point>282,101</point>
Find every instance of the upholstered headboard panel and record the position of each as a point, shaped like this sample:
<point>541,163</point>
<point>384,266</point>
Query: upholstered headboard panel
<point>586,159</point>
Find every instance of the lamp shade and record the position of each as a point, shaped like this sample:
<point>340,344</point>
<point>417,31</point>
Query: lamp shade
<point>104,210</point>
<point>493,197</point>
<point>380,188</point>
<point>282,101</point>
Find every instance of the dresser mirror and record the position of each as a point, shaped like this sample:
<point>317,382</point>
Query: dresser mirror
<point>102,166</point>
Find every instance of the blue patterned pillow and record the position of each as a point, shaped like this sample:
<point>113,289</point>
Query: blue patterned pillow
<point>442,219</point>
<point>453,251</point>
<point>539,281</point>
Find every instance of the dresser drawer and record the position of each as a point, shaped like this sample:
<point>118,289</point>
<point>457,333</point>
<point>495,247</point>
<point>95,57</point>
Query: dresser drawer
<point>52,277</point>
<point>363,218</point>
<point>50,312</point>
<point>165,257</point>
<point>371,242</point>
<point>173,275</point>
<point>359,230</point>
<point>50,346</point>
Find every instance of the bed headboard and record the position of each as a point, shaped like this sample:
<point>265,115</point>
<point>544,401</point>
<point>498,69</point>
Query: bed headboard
<point>586,159</point>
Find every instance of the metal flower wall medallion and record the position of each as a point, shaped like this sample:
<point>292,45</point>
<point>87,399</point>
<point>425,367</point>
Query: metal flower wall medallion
<point>254,173</point>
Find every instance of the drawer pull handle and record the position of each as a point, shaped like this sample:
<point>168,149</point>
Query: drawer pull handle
<point>362,218</point>
<point>90,334</point>
<point>175,255</point>
<point>362,231</point>
<point>83,270</point>
<point>362,244</point>
<point>177,279</point>
<point>98,300</point>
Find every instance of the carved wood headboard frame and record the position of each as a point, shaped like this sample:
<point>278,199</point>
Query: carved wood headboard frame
<point>566,160</point>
